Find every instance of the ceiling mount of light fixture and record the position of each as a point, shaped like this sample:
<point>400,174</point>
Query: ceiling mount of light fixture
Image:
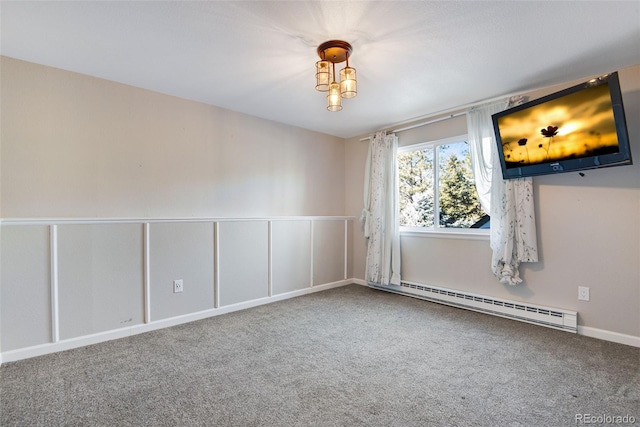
<point>333,52</point>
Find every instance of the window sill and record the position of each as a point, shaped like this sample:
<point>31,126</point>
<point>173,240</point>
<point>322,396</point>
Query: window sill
<point>446,233</point>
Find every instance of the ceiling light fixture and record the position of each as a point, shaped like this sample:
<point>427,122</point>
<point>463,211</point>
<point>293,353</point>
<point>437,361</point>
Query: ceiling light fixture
<point>331,53</point>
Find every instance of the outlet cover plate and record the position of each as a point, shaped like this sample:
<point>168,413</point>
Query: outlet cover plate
<point>178,286</point>
<point>583,293</point>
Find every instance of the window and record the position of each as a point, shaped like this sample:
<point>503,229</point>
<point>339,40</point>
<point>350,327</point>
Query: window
<point>436,187</point>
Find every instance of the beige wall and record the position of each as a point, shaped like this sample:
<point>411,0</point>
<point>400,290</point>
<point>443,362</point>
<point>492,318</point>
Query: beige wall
<point>588,234</point>
<point>93,152</point>
<point>78,146</point>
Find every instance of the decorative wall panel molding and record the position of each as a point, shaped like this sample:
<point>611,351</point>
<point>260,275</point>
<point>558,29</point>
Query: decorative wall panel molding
<point>83,281</point>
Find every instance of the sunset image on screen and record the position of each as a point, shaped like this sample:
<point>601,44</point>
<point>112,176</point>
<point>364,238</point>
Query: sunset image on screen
<point>573,126</point>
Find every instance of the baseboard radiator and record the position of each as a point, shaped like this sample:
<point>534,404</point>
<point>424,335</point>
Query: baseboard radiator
<point>561,319</point>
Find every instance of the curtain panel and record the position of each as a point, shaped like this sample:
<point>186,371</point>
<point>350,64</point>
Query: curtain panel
<point>380,216</point>
<point>508,202</point>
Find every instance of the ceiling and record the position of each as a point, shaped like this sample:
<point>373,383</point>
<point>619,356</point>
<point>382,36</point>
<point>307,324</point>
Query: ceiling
<point>413,58</point>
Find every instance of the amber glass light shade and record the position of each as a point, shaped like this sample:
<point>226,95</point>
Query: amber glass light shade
<point>348,82</point>
<point>322,76</point>
<point>334,99</point>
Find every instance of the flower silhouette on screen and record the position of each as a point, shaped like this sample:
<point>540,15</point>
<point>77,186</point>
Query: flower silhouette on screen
<point>522,143</point>
<point>549,132</point>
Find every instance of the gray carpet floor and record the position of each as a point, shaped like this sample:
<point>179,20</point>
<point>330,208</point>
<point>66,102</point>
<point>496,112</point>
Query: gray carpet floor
<point>350,356</point>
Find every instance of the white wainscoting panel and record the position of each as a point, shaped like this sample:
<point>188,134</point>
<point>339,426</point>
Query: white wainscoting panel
<point>180,251</point>
<point>329,251</point>
<point>100,280</point>
<point>70,282</point>
<point>243,261</point>
<point>290,255</point>
<point>25,294</point>
<point>349,245</point>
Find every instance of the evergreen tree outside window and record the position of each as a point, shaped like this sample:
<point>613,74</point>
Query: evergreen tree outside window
<point>436,186</point>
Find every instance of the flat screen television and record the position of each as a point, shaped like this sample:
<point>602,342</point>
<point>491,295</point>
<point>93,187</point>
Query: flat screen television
<point>582,127</point>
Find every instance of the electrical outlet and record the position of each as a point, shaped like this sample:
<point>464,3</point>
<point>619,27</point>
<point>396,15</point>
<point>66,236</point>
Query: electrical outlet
<point>178,286</point>
<point>583,293</point>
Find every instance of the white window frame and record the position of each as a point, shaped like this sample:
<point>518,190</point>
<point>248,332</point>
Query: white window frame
<point>440,232</point>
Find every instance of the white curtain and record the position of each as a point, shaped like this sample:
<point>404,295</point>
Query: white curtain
<point>380,216</point>
<point>508,202</point>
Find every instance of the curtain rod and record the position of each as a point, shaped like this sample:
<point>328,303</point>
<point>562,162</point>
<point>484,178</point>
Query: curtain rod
<point>471,105</point>
<point>417,125</point>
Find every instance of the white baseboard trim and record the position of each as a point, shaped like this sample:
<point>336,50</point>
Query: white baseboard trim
<point>71,343</point>
<point>68,344</point>
<point>609,336</point>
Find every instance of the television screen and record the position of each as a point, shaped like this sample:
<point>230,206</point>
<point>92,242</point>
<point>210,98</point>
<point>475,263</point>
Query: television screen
<point>582,127</point>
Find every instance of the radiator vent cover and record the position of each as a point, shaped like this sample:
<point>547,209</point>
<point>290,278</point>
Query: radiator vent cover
<point>565,320</point>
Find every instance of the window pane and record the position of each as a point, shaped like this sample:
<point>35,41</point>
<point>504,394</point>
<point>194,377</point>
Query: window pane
<point>416,183</point>
<point>458,199</point>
